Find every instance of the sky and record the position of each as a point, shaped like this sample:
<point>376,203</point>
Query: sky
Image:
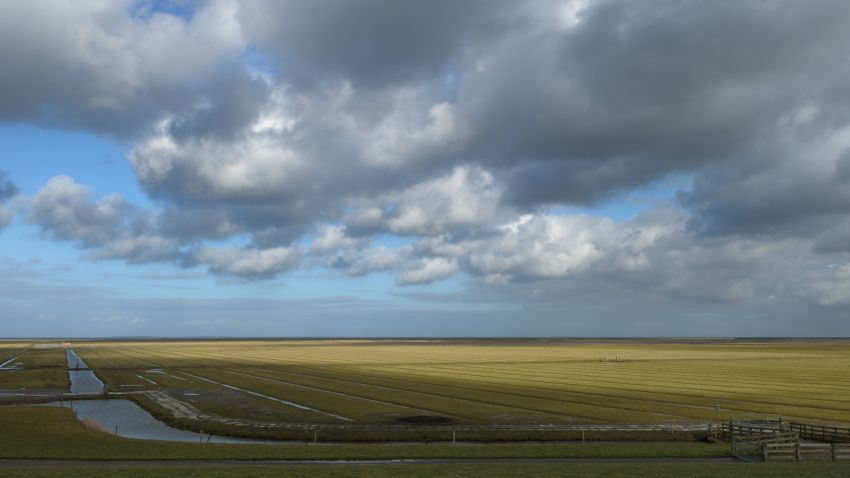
<point>393,168</point>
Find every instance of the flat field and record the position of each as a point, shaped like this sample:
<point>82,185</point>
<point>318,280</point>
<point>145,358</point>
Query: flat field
<point>491,381</point>
<point>42,367</point>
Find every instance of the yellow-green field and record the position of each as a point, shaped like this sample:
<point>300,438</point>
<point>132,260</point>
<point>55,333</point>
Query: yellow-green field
<point>510,382</point>
<point>490,381</point>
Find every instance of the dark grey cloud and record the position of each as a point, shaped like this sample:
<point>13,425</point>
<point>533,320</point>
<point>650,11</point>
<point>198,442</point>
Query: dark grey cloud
<point>229,101</point>
<point>113,67</point>
<point>373,43</point>
<point>635,91</point>
<point>793,187</point>
<point>8,189</point>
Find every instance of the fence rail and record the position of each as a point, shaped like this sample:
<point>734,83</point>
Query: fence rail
<point>781,442</point>
<point>821,432</point>
<point>805,452</point>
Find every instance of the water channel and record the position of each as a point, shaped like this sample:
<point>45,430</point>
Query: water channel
<point>124,417</point>
<point>127,419</point>
<point>82,381</point>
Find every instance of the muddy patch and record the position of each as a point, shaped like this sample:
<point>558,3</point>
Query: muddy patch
<point>425,420</point>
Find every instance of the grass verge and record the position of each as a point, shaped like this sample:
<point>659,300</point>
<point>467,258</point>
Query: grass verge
<point>55,433</point>
<point>801,470</point>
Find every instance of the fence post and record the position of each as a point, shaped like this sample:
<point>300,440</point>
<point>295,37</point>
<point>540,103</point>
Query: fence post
<point>797,451</point>
<point>834,450</point>
<point>734,446</point>
<point>764,452</point>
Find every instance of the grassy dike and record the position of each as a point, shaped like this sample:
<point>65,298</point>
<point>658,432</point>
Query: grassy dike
<point>672,470</point>
<point>55,433</point>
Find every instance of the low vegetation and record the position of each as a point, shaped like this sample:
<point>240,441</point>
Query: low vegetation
<point>430,382</point>
<point>54,433</point>
<point>482,470</point>
<point>493,381</point>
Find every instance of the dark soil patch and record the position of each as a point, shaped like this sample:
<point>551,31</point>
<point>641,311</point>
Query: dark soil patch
<point>425,420</point>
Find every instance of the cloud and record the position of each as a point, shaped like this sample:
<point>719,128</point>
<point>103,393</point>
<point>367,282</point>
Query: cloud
<point>333,247</point>
<point>833,288</point>
<point>465,198</point>
<point>64,211</point>
<point>537,247</point>
<point>795,186</point>
<point>108,66</point>
<point>557,103</point>
<point>374,43</point>
<point>395,143</point>
<point>373,260</point>
<point>634,92</point>
<point>5,217</point>
<point>330,239</point>
<point>427,271</point>
<point>110,227</point>
<point>462,131</point>
<point>250,264</point>
<point>140,249</point>
<point>8,189</point>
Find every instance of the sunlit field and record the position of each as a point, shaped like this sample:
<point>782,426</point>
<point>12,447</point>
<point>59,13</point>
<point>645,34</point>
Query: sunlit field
<point>486,381</point>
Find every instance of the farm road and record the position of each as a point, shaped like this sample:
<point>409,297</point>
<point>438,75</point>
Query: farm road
<point>424,461</point>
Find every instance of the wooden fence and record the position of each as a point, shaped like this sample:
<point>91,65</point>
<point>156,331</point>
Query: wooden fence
<point>821,432</point>
<point>805,452</point>
<point>766,442</point>
<point>753,446</point>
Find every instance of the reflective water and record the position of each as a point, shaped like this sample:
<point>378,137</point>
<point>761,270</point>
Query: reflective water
<point>82,381</point>
<point>74,360</point>
<point>124,417</point>
<point>132,421</point>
